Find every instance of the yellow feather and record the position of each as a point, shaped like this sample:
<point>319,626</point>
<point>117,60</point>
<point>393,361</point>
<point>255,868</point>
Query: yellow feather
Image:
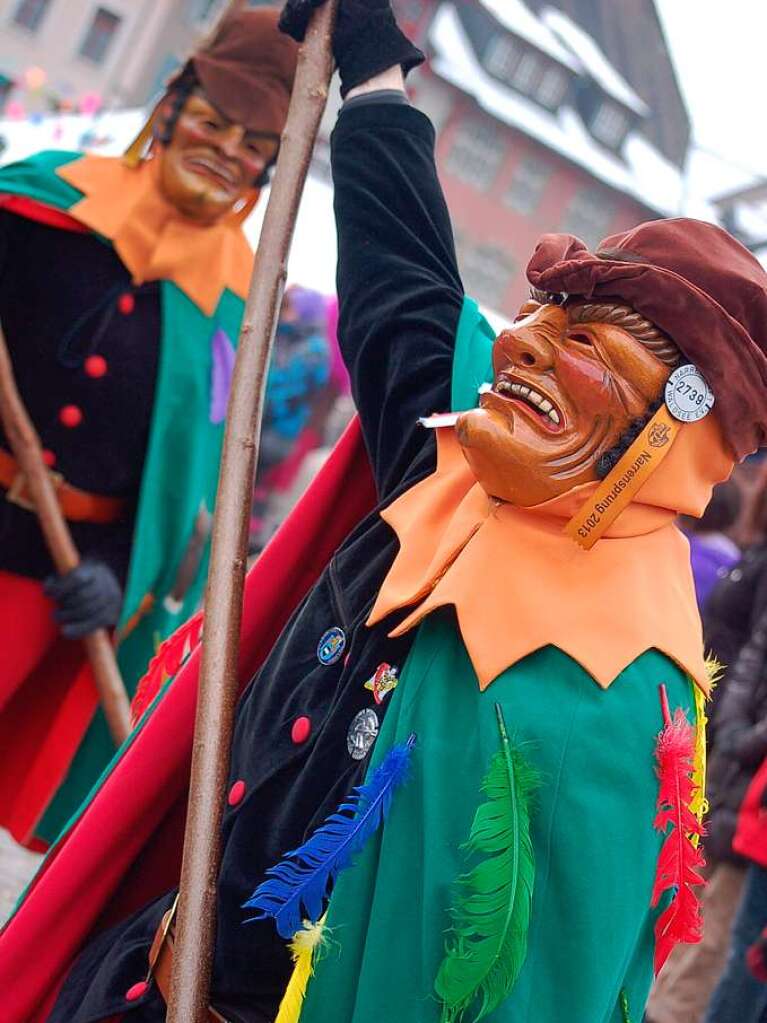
<point>699,803</point>
<point>302,949</point>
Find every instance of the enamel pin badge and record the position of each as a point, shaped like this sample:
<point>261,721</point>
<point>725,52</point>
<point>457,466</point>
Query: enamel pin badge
<point>382,682</point>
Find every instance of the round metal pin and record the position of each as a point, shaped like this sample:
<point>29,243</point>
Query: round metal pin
<point>362,733</point>
<point>688,395</point>
<point>331,646</point>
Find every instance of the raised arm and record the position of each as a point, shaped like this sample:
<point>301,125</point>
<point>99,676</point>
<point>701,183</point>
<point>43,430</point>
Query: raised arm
<point>399,288</point>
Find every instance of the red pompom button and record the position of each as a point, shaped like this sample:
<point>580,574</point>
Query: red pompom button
<point>137,991</point>
<point>236,792</point>
<point>126,303</point>
<point>301,730</point>
<point>70,416</point>
<point>49,458</point>
<point>96,366</point>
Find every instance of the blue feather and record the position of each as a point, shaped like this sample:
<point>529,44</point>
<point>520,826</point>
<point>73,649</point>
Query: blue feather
<point>302,878</point>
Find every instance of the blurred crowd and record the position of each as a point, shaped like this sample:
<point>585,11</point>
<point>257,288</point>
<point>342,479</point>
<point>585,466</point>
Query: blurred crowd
<point>724,978</point>
<point>307,406</point>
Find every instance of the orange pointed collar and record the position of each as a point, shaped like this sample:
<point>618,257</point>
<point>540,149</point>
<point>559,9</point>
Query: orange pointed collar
<point>518,583</point>
<point>150,236</point>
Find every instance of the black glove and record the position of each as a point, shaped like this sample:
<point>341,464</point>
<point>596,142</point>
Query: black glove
<point>366,40</point>
<point>88,598</point>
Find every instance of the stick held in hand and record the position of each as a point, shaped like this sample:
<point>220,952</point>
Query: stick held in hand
<point>193,953</point>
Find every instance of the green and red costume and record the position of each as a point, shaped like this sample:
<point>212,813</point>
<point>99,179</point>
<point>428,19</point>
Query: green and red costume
<point>165,358</point>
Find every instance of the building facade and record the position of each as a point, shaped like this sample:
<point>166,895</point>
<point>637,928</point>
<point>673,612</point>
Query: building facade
<point>537,132</point>
<point>114,53</point>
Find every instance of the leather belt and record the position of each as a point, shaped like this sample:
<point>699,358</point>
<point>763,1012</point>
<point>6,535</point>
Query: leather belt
<point>77,505</point>
<point>161,961</point>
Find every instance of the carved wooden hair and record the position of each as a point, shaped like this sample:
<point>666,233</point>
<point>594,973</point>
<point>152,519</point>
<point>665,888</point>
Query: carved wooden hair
<point>623,316</point>
<point>620,315</point>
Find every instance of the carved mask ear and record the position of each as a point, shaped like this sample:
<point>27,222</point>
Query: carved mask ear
<point>527,308</point>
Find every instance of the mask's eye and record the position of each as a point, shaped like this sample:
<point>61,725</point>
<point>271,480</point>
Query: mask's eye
<point>581,339</point>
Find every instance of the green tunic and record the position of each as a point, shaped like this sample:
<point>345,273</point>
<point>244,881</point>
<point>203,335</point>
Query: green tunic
<point>591,932</point>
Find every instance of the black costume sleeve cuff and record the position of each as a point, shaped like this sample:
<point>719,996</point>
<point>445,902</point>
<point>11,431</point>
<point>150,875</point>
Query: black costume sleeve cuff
<point>396,114</point>
<point>377,98</point>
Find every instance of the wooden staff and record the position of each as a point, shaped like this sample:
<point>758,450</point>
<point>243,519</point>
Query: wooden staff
<point>196,921</point>
<point>27,450</point>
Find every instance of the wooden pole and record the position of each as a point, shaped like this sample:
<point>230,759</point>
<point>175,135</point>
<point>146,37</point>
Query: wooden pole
<point>27,450</point>
<point>196,921</point>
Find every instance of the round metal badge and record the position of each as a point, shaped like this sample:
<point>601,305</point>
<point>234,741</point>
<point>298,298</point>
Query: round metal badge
<point>688,396</point>
<point>331,645</point>
<point>362,733</point>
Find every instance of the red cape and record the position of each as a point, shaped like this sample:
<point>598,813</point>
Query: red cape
<point>125,849</point>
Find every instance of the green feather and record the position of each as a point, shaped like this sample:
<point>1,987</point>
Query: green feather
<point>487,943</point>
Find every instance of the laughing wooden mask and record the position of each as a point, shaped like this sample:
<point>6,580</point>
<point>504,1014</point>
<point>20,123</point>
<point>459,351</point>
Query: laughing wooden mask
<point>568,382</point>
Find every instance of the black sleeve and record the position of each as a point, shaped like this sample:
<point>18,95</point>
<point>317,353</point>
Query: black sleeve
<point>399,289</point>
<point>739,734</point>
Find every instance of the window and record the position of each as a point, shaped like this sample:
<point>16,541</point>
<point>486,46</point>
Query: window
<point>477,152</point>
<point>609,125</point>
<point>502,56</point>
<point>589,214</point>
<point>526,73</point>
<point>486,271</point>
<point>551,88</point>
<point>170,64</point>
<point>29,13</point>
<point>202,10</point>
<point>528,182</point>
<point>99,36</point>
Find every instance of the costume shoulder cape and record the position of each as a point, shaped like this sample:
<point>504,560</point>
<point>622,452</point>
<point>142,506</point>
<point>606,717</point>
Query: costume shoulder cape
<point>170,550</point>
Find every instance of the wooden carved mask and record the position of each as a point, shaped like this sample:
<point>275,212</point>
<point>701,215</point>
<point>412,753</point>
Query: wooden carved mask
<point>210,164</point>
<point>565,389</point>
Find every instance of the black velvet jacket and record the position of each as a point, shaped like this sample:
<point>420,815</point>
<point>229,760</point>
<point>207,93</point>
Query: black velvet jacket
<point>65,296</point>
<point>401,298</point>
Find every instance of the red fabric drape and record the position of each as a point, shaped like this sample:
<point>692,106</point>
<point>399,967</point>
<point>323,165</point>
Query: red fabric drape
<point>126,847</point>
<point>47,700</point>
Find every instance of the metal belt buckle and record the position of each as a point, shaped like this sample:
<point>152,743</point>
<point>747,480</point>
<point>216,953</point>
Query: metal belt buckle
<point>161,936</point>
<point>18,494</point>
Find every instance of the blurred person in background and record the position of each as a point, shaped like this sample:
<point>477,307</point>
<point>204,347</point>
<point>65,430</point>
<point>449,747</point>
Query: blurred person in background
<point>740,995</point>
<point>712,552</point>
<point>122,287</point>
<point>297,402</point>
<point>736,602</point>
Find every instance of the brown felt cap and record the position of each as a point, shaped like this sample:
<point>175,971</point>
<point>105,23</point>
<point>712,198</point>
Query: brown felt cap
<point>700,286</point>
<point>247,69</point>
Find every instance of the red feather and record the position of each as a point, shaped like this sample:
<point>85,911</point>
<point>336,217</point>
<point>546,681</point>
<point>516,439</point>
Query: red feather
<point>680,859</point>
<point>166,663</point>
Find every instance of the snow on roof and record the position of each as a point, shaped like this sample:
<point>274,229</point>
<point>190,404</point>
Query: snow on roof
<point>643,173</point>
<point>594,62</point>
<point>519,19</point>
